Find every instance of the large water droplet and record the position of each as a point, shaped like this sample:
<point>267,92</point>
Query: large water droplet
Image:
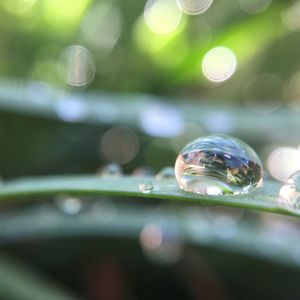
<point>218,164</point>
<point>146,186</point>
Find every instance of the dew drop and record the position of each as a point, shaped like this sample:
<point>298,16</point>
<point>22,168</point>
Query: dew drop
<point>218,164</point>
<point>111,170</point>
<point>146,186</point>
<point>289,194</point>
<point>166,173</point>
<point>68,205</point>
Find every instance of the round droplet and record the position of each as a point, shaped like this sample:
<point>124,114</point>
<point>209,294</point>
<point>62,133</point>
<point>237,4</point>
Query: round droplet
<point>166,173</point>
<point>289,194</point>
<point>218,164</point>
<point>68,205</point>
<point>146,186</point>
<point>111,170</point>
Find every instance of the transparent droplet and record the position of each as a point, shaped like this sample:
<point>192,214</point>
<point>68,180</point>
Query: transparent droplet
<point>289,194</point>
<point>146,186</point>
<point>68,205</point>
<point>166,173</point>
<point>111,170</point>
<point>218,164</point>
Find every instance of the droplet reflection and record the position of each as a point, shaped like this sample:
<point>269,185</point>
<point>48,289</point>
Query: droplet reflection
<point>218,164</point>
<point>146,187</point>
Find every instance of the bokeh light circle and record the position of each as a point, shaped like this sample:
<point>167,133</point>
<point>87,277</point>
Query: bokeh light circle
<point>102,26</point>
<point>219,64</point>
<point>283,162</point>
<point>162,16</point>
<point>119,145</point>
<point>76,66</point>
<point>254,6</point>
<point>194,7</point>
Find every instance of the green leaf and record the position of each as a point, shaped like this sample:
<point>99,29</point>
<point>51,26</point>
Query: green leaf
<point>264,199</point>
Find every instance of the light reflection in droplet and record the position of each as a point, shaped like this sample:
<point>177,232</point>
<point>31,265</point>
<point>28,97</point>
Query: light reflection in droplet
<point>264,93</point>
<point>254,6</point>
<point>162,16</point>
<point>219,64</point>
<point>194,7</point>
<point>283,162</point>
<point>102,26</point>
<point>76,66</point>
<point>119,145</point>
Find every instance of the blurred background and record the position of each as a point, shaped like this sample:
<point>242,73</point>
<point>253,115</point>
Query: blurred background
<point>119,87</point>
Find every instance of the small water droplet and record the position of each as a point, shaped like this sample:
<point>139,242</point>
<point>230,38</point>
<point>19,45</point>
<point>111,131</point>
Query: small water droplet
<point>146,186</point>
<point>289,194</point>
<point>68,205</point>
<point>111,170</point>
<point>166,173</point>
<point>218,164</point>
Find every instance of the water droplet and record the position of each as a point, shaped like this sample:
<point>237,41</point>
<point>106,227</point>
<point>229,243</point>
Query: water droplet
<point>111,170</point>
<point>289,194</point>
<point>146,186</point>
<point>218,164</point>
<point>166,173</point>
<point>68,205</point>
